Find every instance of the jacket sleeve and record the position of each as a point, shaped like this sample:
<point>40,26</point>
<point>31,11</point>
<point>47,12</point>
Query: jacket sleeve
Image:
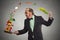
<point>47,23</point>
<point>24,30</point>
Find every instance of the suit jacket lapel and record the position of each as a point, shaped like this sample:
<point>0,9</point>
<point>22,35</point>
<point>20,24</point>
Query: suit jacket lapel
<point>29,26</point>
<point>34,23</point>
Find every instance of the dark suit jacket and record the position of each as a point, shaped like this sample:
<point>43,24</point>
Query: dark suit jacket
<point>36,34</point>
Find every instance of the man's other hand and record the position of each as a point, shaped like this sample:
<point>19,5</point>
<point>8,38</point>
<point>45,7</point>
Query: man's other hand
<point>50,14</point>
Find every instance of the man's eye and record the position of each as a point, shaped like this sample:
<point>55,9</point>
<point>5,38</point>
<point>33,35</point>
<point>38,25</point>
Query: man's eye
<point>25,12</point>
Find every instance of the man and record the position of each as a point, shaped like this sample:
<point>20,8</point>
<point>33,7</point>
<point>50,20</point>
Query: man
<point>32,25</point>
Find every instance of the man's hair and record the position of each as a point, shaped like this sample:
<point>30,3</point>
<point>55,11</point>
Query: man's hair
<point>31,10</point>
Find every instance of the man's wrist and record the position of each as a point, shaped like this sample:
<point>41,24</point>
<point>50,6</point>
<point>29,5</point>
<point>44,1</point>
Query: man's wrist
<point>51,18</point>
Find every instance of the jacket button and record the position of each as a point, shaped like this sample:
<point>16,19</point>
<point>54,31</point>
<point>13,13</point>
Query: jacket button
<point>32,36</point>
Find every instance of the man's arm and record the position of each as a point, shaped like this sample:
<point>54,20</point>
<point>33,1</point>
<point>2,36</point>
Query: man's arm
<point>50,20</point>
<point>18,32</point>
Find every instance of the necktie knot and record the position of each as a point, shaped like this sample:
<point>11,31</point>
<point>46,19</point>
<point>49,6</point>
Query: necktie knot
<point>30,19</point>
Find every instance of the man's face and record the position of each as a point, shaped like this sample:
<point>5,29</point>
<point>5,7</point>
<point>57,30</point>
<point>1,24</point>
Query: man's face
<point>27,13</point>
